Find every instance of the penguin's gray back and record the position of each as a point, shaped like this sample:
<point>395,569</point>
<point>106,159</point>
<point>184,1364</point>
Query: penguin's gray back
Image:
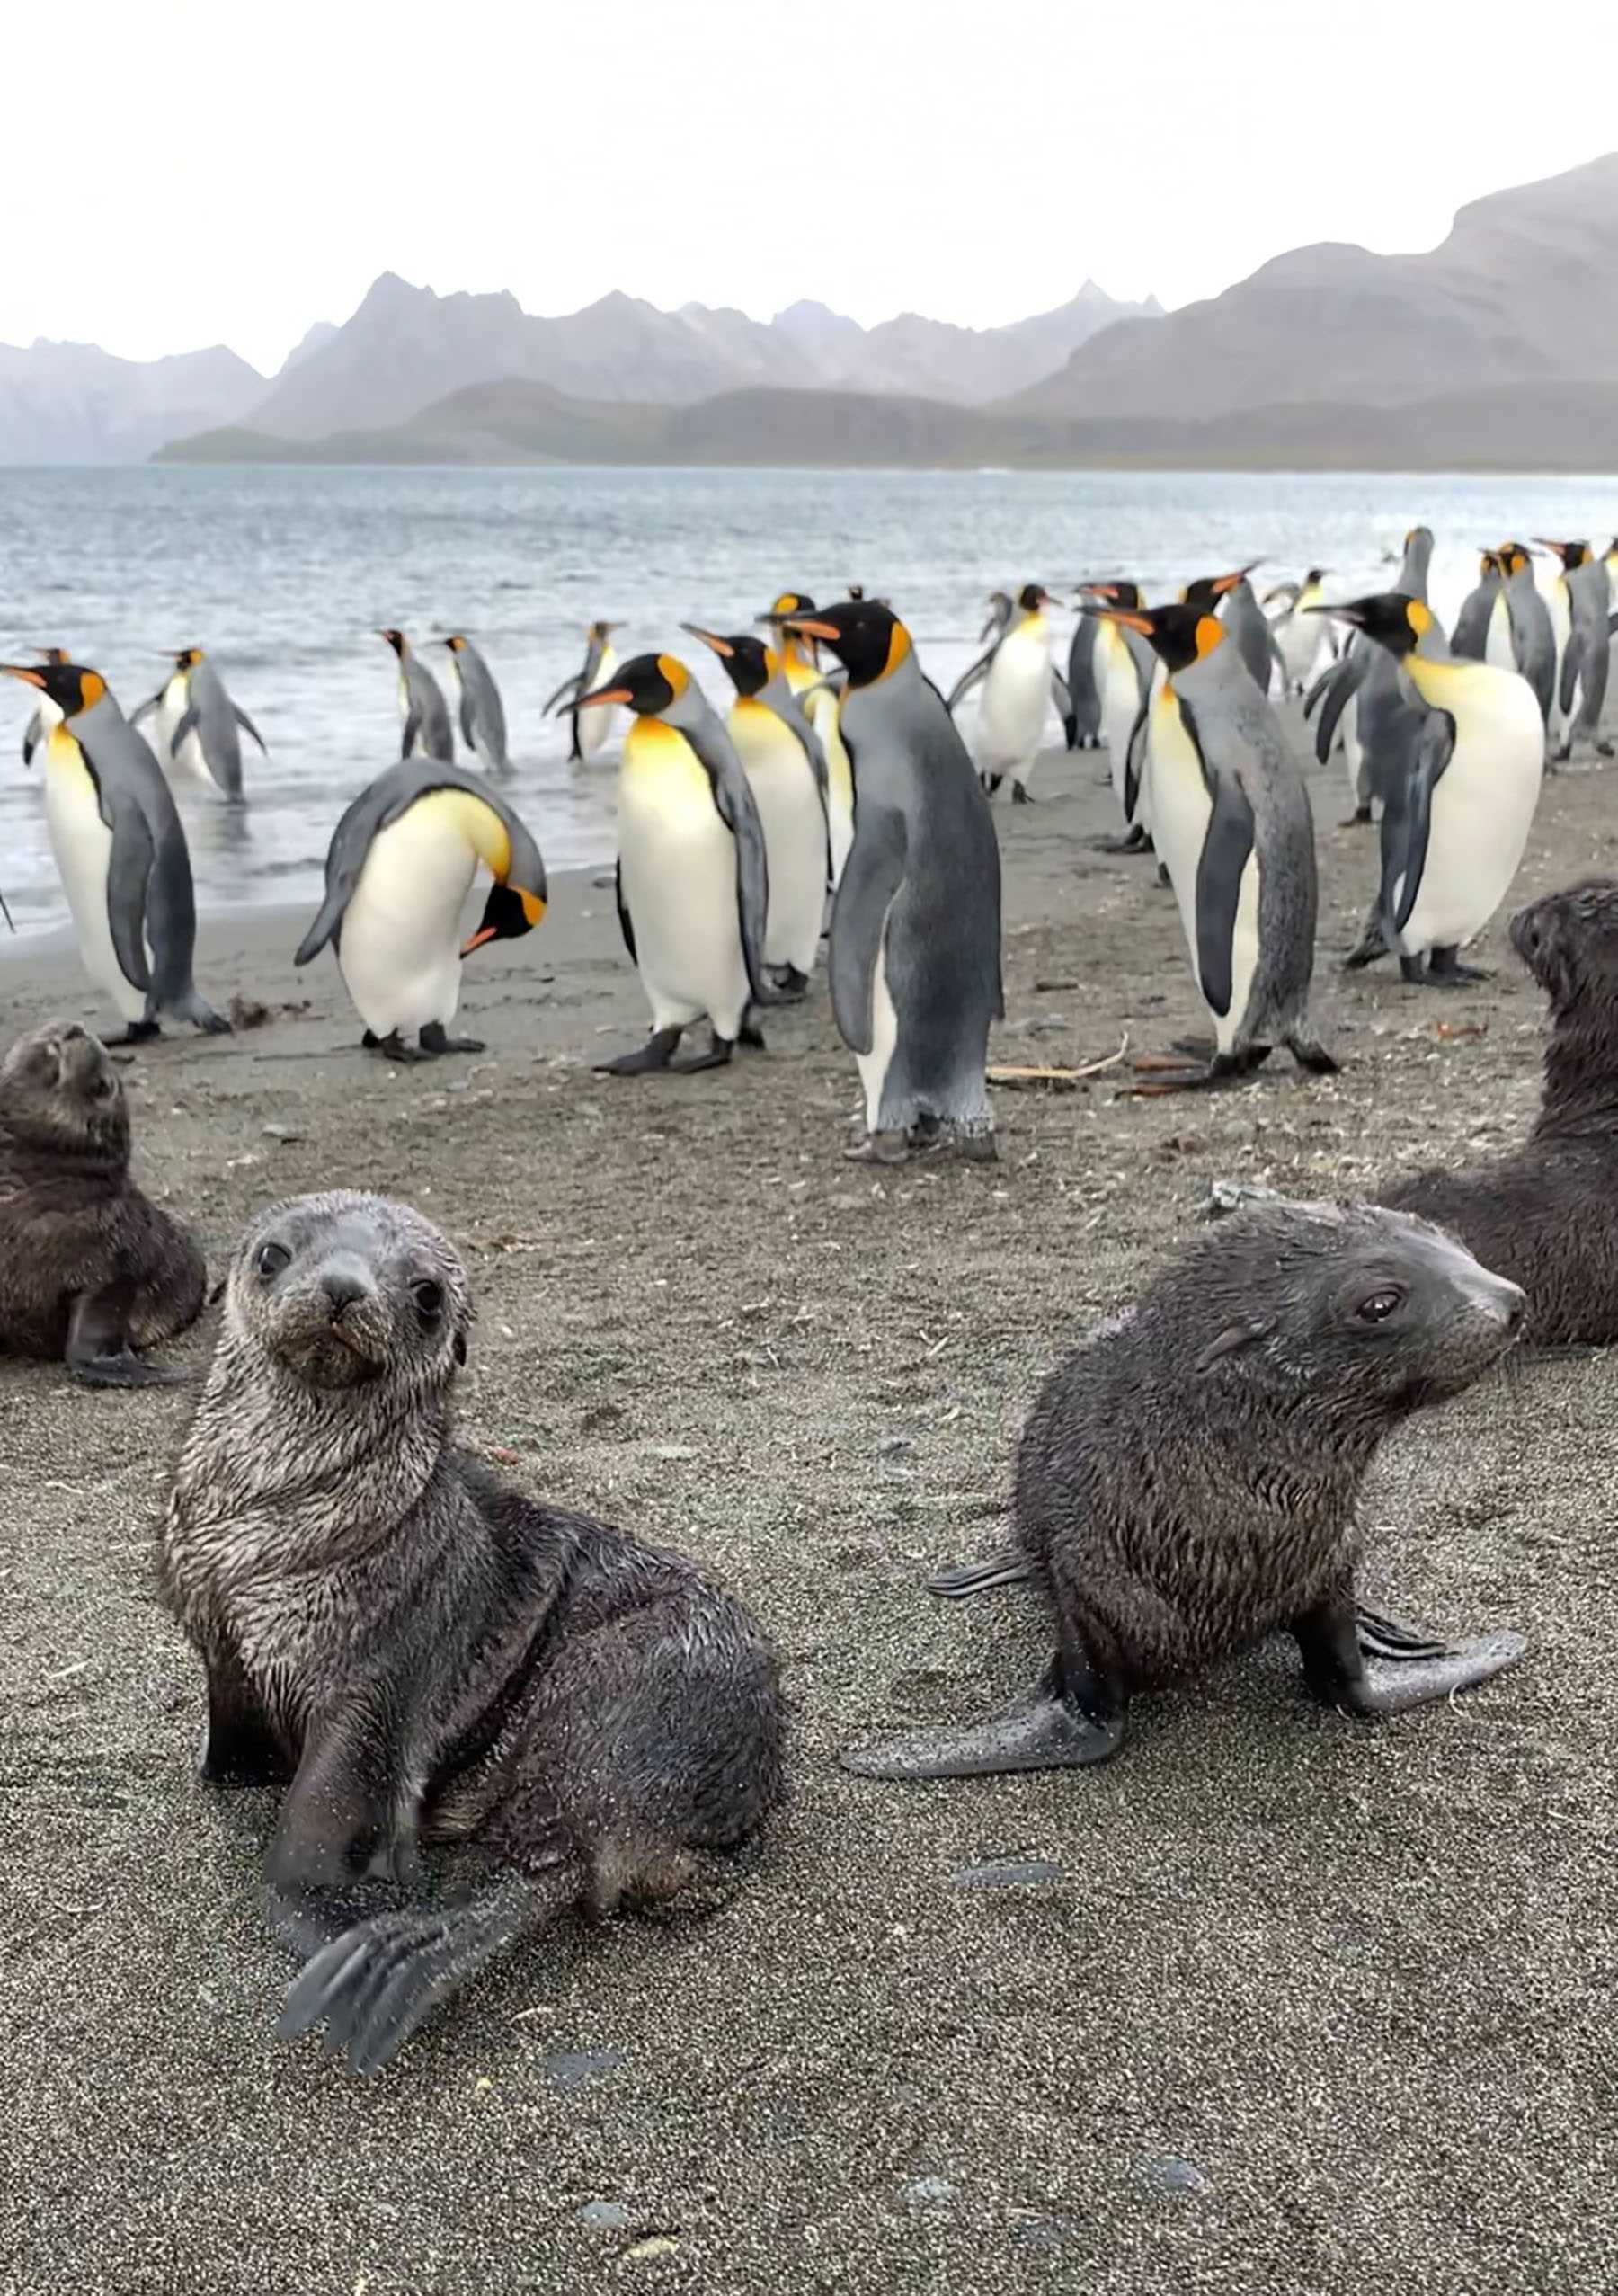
<point>1469,637</point>
<point>215,726</point>
<point>482,713</point>
<point>1532,639</point>
<point>1251,634</point>
<point>1084,696</point>
<point>117,751</point>
<point>433,737</point>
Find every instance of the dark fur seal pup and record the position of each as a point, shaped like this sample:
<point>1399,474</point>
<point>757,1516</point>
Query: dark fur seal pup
<point>428,1656</point>
<point>89,1269</point>
<point>1187,1483</point>
<point>1547,1216</point>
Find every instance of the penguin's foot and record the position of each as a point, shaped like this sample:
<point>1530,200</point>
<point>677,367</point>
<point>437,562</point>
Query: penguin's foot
<point>656,1053</point>
<point>139,1032</point>
<point>1372,943</point>
<point>750,1033</point>
<point>1445,971</point>
<point>717,1055</point>
<point>991,782</point>
<point>1197,1048</point>
<point>1604,749</point>
<point>879,1148</point>
<point>1008,1566</point>
<point>1043,1732</point>
<point>1019,796</point>
<point>393,1047</point>
<point>370,1041</point>
<point>1359,819</point>
<point>1165,883</point>
<point>974,1145</point>
<point>1136,842</point>
<point>1367,1665</point>
<point>123,1369</point>
<point>789,984</point>
<point>435,1043</point>
<point>1312,1054</point>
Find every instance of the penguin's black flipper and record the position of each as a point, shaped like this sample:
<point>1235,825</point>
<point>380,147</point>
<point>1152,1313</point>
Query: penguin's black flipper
<point>1134,762</point>
<point>574,685</point>
<point>1227,849</point>
<point>466,719</point>
<point>144,710</point>
<point>871,874</point>
<point>128,874</point>
<point>247,726</point>
<point>625,922</point>
<point>1008,1566</point>
<point>1408,806</point>
<point>1569,675</point>
<point>964,683</point>
<point>188,725</point>
<point>413,727</point>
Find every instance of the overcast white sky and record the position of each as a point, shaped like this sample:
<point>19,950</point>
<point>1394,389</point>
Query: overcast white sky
<point>182,175</point>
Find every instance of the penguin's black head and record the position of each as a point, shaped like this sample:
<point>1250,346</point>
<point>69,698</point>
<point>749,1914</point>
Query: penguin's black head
<point>1392,618</point>
<point>1180,635</point>
<point>1571,554</point>
<point>856,590</point>
<point>746,658</point>
<point>602,631</point>
<point>865,636</point>
<point>507,915</point>
<point>454,644</point>
<point>1205,593</point>
<point>1315,574</point>
<point>71,689</point>
<point>396,638</point>
<point>186,657</point>
<point>647,684</point>
<point>53,653</point>
<point>790,602</point>
<point>1511,557</point>
<point>1127,594</point>
<point>1033,597</point>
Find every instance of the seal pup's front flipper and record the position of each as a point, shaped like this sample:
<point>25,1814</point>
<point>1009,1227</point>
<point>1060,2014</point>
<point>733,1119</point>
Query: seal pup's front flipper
<point>1008,1566</point>
<point>1049,1730</point>
<point>98,1352</point>
<point>1368,1665</point>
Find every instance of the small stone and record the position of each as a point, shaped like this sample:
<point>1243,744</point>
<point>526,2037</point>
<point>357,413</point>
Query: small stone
<point>672,1451</point>
<point>655,2244</point>
<point>894,1447</point>
<point>1168,2175</point>
<point>928,2192</point>
<point>281,1132</point>
<point>604,2216</point>
<point>575,2069</point>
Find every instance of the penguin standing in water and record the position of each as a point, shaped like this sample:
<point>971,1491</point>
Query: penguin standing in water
<point>915,957</point>
<point>1532,635</point>
<point>1084,694</point>
<point>1456,823</point>
<point>1232,825</point>
<point>1473,637</point>
<point>1017,689</point>
<point>800,666</point>
<point>400,864</point>
<point>199,727</point>
<point>785,768</point>
<point>121,853</point>
<point>1298,641</point>
<point>482,712</point>
<point>693,875</point>
<point>422,710</point>
<point>1124,662</point>
<point>590,736</point>
<point>47,713</point>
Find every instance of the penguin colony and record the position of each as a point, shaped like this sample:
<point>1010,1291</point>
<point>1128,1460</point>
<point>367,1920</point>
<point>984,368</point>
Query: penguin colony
<point>837,797</point>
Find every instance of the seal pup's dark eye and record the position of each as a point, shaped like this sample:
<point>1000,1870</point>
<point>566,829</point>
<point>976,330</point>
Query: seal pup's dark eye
<point>429,1298</point>
<point>1379,1306</point>
<point>272,1257</point>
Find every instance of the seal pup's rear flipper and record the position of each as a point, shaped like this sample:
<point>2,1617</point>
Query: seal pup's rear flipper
<point>1008,1566</point>
<point>1368,1665</point>
<point>1049,1733</point>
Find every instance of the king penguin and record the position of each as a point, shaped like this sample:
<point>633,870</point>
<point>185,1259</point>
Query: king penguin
<point>482,712</point>
<point>590,736</point>
<point>1363,693</point>
<point>424,712</point>
<point>1016,691</point>
<point>1582,679</point>
<point>198,726</point>
<point>121,853</point>
<point>1482,631</point>
<point>46,714</point>
<point>400,864</point>
<point>915,954</point>
<point>1251,634</point>
<point>1533,633</point>
<point>802,674</point>
<point>1232,825</point>
<point>1013,621</point>
<point>1298,639</point>
<point>1124,662</point>
<point>1455,822</point>
<point>785,768</point>
<point>1084,693</point>
<point>693,874</point>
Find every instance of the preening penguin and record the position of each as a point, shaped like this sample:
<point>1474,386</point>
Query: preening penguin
<point>482,712</point>
<point>802,673</point>
<point>121,851</point>
<point>785,768</point>
<point>1456,819</point>
<point>199,727</point>
<point>422,710</point>
<point>693,877</point>
<point>915,957</point>
<point>589,736</point>
<point>401,863</point>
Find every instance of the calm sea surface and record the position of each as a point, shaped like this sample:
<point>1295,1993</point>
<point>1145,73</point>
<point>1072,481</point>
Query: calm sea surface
<point>285,577</point>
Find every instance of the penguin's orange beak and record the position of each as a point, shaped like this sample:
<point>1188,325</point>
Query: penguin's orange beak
<point>28,677</point>
<point>477,940</point>
<point>806,626</point>
<point>602,696</point>
<point>1123,614</point>
<point>721,645</point>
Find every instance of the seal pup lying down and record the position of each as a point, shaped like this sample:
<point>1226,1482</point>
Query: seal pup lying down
<point>1187,1483</point>
<point>90,1270</point>
<point>428,1656</point>
<point>1547,1215</point>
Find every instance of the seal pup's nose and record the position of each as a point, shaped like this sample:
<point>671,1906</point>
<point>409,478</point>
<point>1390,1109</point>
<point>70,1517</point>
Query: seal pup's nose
<point>342,1288</point>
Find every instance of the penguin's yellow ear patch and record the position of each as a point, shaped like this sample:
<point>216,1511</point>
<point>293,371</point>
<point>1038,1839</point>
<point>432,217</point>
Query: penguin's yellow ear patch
<point>92,687</point>
<point>675,672</point>
<point>899,647</point>
<point>1418,617</point>
<point>533,908</point>
<point>1209,633</point>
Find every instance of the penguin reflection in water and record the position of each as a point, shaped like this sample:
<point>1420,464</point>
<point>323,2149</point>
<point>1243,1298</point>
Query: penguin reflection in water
<point>401,863</point>
<point>915,944</point>
<point>693,879</point>
<point>1231,823</point>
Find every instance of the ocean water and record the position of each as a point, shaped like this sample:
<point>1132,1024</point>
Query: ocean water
<point>285,575</point>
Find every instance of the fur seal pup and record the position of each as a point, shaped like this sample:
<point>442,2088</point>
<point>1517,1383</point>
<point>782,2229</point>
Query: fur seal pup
<point>1547,1215</point>
<point>1257,1376</point>
<point>427,1655</point>
<point>89,1269</point>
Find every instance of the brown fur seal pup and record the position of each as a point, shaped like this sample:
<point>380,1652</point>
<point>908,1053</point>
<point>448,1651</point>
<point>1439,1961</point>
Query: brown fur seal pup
<point>89,1269</point>
<point>1187,1483</point>
<point>428,1656</point>
<point>1547,1215</point>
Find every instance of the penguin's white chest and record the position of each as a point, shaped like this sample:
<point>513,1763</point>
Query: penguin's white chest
<point>1181,810</point>
<point>1015,693</point>
<point>1120,690</point>
<point>1300,638</point>
<point>83,845</point>
<point>783,784</point>
<point>1482,807</point>
<point>187,761</point>
<point>677,874</point>
<point>823,716</point>
<point>1497,649</point>
<point>597,728</point>
<point>400,945</point>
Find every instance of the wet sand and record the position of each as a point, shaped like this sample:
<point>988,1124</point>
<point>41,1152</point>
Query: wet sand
<point>1279,2001</point>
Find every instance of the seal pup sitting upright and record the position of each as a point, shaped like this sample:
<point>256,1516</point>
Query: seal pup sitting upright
<point>1187,1483</point>
<point>90,1270</point>
<point>1547,1215</point>
<point>427,1655</point>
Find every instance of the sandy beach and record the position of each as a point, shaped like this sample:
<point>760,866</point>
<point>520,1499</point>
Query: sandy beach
<point>1277,2000</point>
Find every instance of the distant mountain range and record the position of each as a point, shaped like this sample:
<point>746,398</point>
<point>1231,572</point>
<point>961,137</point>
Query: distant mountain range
<point>71,402</point>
